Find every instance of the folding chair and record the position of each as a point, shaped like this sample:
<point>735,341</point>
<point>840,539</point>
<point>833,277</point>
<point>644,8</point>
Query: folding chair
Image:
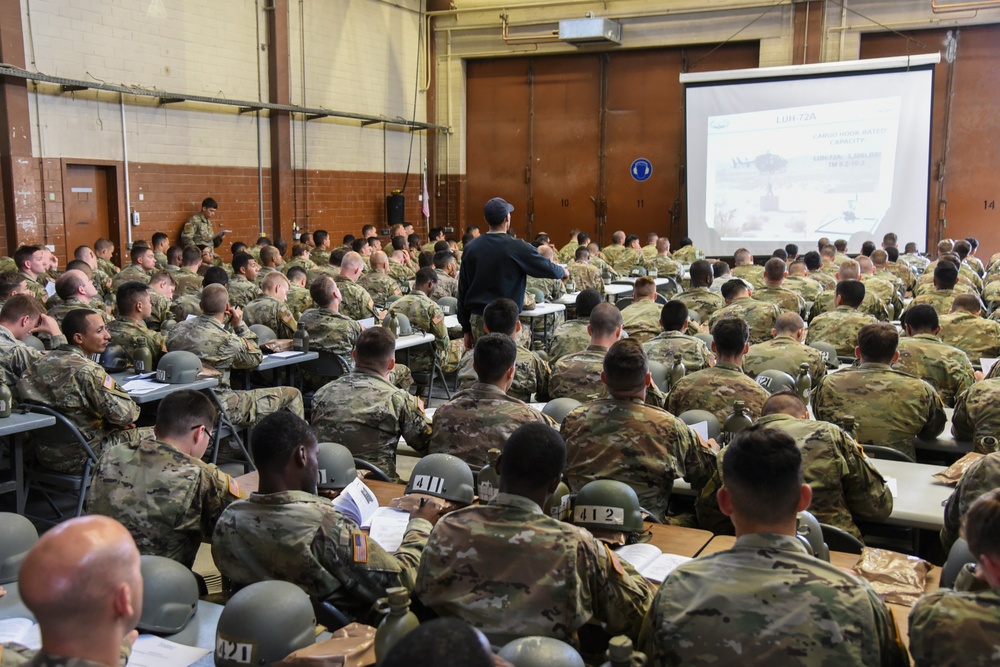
<point>50,482</point>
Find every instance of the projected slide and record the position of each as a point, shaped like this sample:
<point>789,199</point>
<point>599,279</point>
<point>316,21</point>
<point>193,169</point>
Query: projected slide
<point>823,170</point>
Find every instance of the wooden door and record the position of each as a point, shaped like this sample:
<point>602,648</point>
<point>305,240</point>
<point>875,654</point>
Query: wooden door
<point>90,206</point>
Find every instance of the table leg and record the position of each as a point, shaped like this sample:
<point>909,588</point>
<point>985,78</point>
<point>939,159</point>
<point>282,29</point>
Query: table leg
<point>18,444</point>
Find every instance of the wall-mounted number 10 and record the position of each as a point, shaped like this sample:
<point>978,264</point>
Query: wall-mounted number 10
<point>564,202</point>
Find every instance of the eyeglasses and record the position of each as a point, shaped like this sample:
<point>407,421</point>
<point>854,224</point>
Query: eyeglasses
<point>208,431</point>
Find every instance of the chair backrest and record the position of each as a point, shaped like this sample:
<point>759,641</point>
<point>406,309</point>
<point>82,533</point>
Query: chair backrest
<point>958,556</point>
<point>623,302</point>
<point>328,365</point>
<point>62,432</point>
<point>660,299</point>
<point>838,539</point>
<point>888,453</point>
<point>670,287</point>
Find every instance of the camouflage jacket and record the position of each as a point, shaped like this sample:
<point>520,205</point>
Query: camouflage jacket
<point>367,414</point>
<point>299,537</point>
<point>427,316</point>
<point>400,272</point>
<point>611,254</point>
<point>552,288</point>
<point>446,286</point>
<point>107,267</point>
<point>198,230</point>
<point>786,606</point>
<point>330,331</point>
<point>955,628</point>
<point>839,328</point>
<point>982,476</point>
<point>188,282</point>
<point>664,267</point>
<point>702,301</point>
<point>133,336</point>
<point>626,259</point>
<point>784,353</point>
<point>159,310</point>
<point>168,500</point>
<point>890,407</point>
<point>357,303</point>
<point>688,254</point>
<point>631,442</point>
<point>298,300</point>
<point>716,389</point>
<point>273,313</point>
<point>871,305</point>
<point>946,368</point>
<point>242,291</point>
<point>694,353</point>
<point>976,336</point>
<point>641,319</point>
<point>59,310</point>
<point>570,336</point>
<point>578,376</point>
<point>941,300</point>
<point>759,316</point>
<point>846,486</point>
<point>804,286</point>
<point>16,356</point>
<point>216,345</point>
<point>478,419</point>
<point>977,415</point>
<point>129,273</point>
<point>511,571</point>
<point>585,276</point>
<point>381,286</point>
<point>886,290</point>
<point>531,376</point>
<point>35,287</point>
<point>786,299</point>
<point>752,273</point>
<point>567,253</point>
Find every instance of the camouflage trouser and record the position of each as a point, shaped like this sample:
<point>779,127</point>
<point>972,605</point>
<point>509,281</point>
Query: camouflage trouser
<point>523,337</point>
<point>69,457</point>
<point>401,376</point>
<point>247,407</point>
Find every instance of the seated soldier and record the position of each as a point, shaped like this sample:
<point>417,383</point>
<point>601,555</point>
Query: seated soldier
<point>801,282</point>
<point>722,274</point>
<point>629,257</point>
<point>745,268</point>
<point>68,380</point>
<point>890,407</point>
<point>977,415</point>
<point>943,295</point>
<point>161,291</point>
<point>483,416</point>
<point>224,348</point>
<point>243,286</point>
<point>759,315</point>
<point>328,329</point>
<point>965,328</point>
<point>582,274</point>
<point>698,297</point>
<point>269,262</point>
<point>188,279</point>
<point>571,335</point>
<point>717,388</point>
<point>511,571</point>
<point>75,290</point>
<point>531,374</point>
<point>551,288</point>
<point>642,316</point>
<point>159,488</point>
<point>766,600</point>
<point>981,476</point>
<point>846,487</point>
<point>923,355</point>
<point>365,412</point>
<point>840,327</point>
<point>298,299</point>
<point>883,285</point>
<point>30,261</point>
<point>357,302</point>
<point>285,531</point>
<point>426,315</point>
<point>774,290</point>
<point>380,285</point>
<point>300,257</point>
<point>674,339</point>
<point>659,260</point>
<point>962,627</point>
<point>129,330</point>
<point>271,309</point>
<point>20,317</point>
<point>785,352</point>
<point>687,253</point>
<point>641,445</point>
<point>10,284</point>
<point>446,268</point>
<point>141,268</point>
<point>871,304</point>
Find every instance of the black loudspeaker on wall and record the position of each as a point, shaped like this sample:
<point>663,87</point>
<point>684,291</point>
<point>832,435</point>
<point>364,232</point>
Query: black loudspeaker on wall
<point>395,204</point>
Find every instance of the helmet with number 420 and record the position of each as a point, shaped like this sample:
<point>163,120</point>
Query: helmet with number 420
<point>605,504</point>
<point>251,634</point>
<point>444,476</point>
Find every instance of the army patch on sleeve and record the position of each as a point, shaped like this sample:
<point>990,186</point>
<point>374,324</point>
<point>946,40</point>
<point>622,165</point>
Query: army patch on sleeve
<point>287,316</point>
<point>234,486</point>
<point>371,304</point>
<point>360,543</point>
<point>109,382</point>
<point>437,319</point>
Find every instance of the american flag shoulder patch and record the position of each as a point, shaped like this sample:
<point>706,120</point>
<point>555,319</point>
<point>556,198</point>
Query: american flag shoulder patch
<point>360,541</point>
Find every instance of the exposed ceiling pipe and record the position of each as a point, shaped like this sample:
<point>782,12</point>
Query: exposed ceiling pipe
<point>944,8</point>
<point>552,35</point>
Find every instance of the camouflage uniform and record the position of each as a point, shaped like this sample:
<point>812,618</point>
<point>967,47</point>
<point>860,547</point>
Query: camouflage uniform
<point>784,353</point>
<point>567,253</point>
<point>330,331</point>
<point>531,375</point>
<point>182,306</point>
<point>242,291</point>
<point>940,299</point>
<point>381,286</point>
<point>805,287</point>
<point>846,486</point>
<point>885,290</point>
<point>982,476</point>
<point>16,356</point>
<point>58,311</point>
<point>688,254</point>
<point>134,336</point>
<point>225,350</point>
<point>400,272</point>
<point>188,282</point>
<point>198,230</point>
<point>767,601</point>
<point>299,537</point>
<point>758,315</point>
<point>716,389</point>
<point>273,313</point>
<point>903,272</point>
<point>306,264</point>
<point>585,276</point>
<point>827,280</point>
<point>946,368</point>
<point>891,407</point>
<point>925,286</point>
<point>641,319</point>
<point>611,254</point>
<point>786,299</point>
<point>298,300</point>
<point>578,376</point>
<point>751,273</point>
<point>552,288</point>
<point>991,295</point>
<point>640,445</point>
<point>570,336</point>
<point>625,260</point>
<point>262,273</point>
<point>364,412</point>
<point>839,328</point>
<point>478,419</point>
<point>159,310</point>
<point>427,316</point>
<point>161,260</point>
<point>320,257</point>
<point>357,302</point>
<point>168,500</point>
<point>511,571</point>
<point>977,415</point>
<point>68,381</point>
<point>130,272</point>
<point>102,283</point>
<point>702,301</point>
<point>915,260</point>
<point>871,305</point>
<point>446,285</point>
<point>664,267</point>
<point>35,287</point>
<point>694,353</point>
<point>955,628</point>
<point>606,270</point>
<point>107,267</point>
<point>976,336</point>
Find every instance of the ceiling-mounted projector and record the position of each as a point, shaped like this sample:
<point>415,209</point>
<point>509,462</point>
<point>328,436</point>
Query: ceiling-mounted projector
<point>590,31</point>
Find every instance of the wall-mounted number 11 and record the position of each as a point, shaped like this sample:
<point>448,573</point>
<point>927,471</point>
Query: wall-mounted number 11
<point>639,203</point>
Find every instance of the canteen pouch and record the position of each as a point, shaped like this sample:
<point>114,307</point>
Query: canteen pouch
<point>351,646</point>
<point>896,577</point>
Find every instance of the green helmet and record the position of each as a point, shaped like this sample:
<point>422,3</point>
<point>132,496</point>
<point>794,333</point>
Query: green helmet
<point>398,323</point>
<point>540,652</point>
<point>774,381</point>
<point>31,340</point>
<point>691,417</point>
<point>444,476</point>
<point>448,305</point>
<point>830,357</point>
<point>705,338</point>
<point>660,374</point>
<point>605,504</point>
<point>558,504</point>
<point>170,595</point>
<point>166,326</point>
<point>113,359</point>
<point>178,367</point>
<point>537,293</point>
<point>336,466</point>
<point>264,333</point>
<point>17,536</point>
<point>251,634</point>
<point>558,408</point>
<point>182,306</point>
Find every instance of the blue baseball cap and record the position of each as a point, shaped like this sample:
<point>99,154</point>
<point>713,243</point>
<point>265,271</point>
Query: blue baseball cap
<point>496,210</point>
